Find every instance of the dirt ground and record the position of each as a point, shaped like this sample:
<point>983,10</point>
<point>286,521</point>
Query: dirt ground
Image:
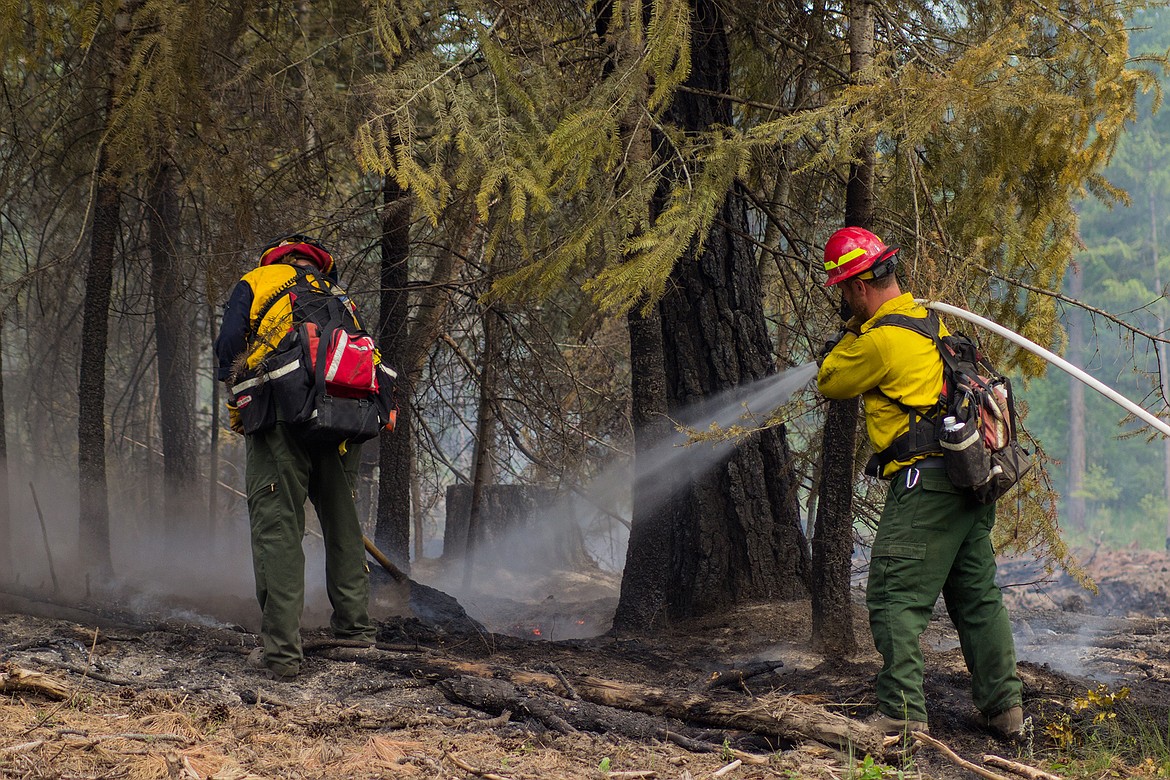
<point>147,696</point>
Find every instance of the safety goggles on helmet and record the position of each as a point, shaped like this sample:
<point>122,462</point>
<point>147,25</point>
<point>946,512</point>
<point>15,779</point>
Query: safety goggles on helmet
<point>300,245</point>
<point>855,252</point>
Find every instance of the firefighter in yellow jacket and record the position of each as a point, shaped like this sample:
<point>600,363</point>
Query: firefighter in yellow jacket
<point>283,470</point>
<point>932,537</point>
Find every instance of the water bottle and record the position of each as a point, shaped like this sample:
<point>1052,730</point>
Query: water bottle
<point>951,424</point>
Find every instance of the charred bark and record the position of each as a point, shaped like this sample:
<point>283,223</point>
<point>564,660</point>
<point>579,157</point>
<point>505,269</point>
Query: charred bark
<point>172,328</point>
<point>94,516</point>
<point>832,543</point>
<point>483,469</point>
<point>738,535</point>
<point>5,507</point>
<point>778,716</point>
<point>395,454</point>
<point>93,490</point>
<point>642,602</point>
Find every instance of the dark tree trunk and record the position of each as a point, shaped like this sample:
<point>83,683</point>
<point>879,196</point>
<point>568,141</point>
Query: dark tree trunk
<point>482,469</point>
<point>93,490</point>
<point>738,532</point>
<point>172,328</point>
<point>91,430</point>
<point>642,603</point>
<point>5,510</point>
<point>395,455</point>
<point>832,609</point>
<point>832,543</point>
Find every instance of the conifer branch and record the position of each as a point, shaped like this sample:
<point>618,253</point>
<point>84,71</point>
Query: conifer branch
<point>1059,296</point>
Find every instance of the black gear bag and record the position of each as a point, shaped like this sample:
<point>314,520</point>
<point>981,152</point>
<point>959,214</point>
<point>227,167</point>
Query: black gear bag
<point>323,375</point>
<point>980,446</point>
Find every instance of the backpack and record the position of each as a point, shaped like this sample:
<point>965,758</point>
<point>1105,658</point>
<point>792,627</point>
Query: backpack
<point>974,422</point>
<point>321,374</point>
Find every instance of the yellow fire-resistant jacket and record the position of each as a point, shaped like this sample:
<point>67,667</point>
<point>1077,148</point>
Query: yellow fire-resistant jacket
<point>246,304</point>
<point>886,363</point>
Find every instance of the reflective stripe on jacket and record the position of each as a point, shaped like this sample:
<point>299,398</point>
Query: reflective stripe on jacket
<point>247,302</point>
<point>882,364</point>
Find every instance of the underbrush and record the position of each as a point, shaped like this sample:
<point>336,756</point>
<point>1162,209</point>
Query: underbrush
<point>1105,735</point>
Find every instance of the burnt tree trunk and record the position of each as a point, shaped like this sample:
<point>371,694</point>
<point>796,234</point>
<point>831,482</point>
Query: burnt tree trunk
<point>395,455</point>
<point>172,329</point>
<point>91,429</point>
<point>832,544</point>
<point>642,602</point>
<point>737,535</point>
<point>482,467</point>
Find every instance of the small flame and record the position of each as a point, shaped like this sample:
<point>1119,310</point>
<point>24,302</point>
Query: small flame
<point>536,632</point>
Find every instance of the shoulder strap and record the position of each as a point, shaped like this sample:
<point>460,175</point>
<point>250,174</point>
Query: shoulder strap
<point>922,437</point>
<point>926,326</point>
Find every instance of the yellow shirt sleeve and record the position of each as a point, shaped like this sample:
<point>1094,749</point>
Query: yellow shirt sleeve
<point>886,366</point>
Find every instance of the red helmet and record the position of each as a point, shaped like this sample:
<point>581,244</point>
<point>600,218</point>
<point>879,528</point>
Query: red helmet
<point>852,251</point>
<point>301,245</point>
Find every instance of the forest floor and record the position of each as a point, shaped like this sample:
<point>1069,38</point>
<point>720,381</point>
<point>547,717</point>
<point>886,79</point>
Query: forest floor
<point>125,694</point>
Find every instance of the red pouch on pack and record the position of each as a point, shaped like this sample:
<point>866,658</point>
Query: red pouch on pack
<point>349,363</point>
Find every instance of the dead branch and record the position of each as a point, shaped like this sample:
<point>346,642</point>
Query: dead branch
<point>93,674</point>
<point>1030,772</point>
<point>954,757</point>
<point>44,536</point>
<point>14,678</point>
<point>129,737</point>
<point>179,768</point>
<point>472,770</point>
<point>731,678</point>
<point>23,747</point>
<point>699,746</point>
<point>1059,296</point>
<point>736,764</point>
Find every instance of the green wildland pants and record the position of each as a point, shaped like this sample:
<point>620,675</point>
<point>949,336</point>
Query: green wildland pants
<point>932,538</point>
<point>282,471</point>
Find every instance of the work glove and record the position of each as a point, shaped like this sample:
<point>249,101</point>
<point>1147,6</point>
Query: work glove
<point>234,420</point>
<point>829,345</point>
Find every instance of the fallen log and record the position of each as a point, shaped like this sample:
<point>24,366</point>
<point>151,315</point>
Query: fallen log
<point>15,679</point>
<point>782,717</point>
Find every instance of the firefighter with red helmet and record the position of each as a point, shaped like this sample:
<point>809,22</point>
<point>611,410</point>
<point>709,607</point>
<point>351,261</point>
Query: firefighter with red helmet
<point>283,470</point>
<point>932,538</point>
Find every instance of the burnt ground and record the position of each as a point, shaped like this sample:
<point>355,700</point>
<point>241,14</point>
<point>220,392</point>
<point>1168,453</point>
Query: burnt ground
<point>170,696</point>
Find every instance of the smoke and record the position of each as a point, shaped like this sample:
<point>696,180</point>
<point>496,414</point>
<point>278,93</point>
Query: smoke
<point>197,569</point>
<point>189,568</point>
<point>505,572</point>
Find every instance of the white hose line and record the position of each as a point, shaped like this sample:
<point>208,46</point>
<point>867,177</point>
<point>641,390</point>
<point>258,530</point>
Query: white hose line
<point>1051,357</point>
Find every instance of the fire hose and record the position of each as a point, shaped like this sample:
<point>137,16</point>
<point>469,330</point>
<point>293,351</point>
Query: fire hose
<point>1052,358</point>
